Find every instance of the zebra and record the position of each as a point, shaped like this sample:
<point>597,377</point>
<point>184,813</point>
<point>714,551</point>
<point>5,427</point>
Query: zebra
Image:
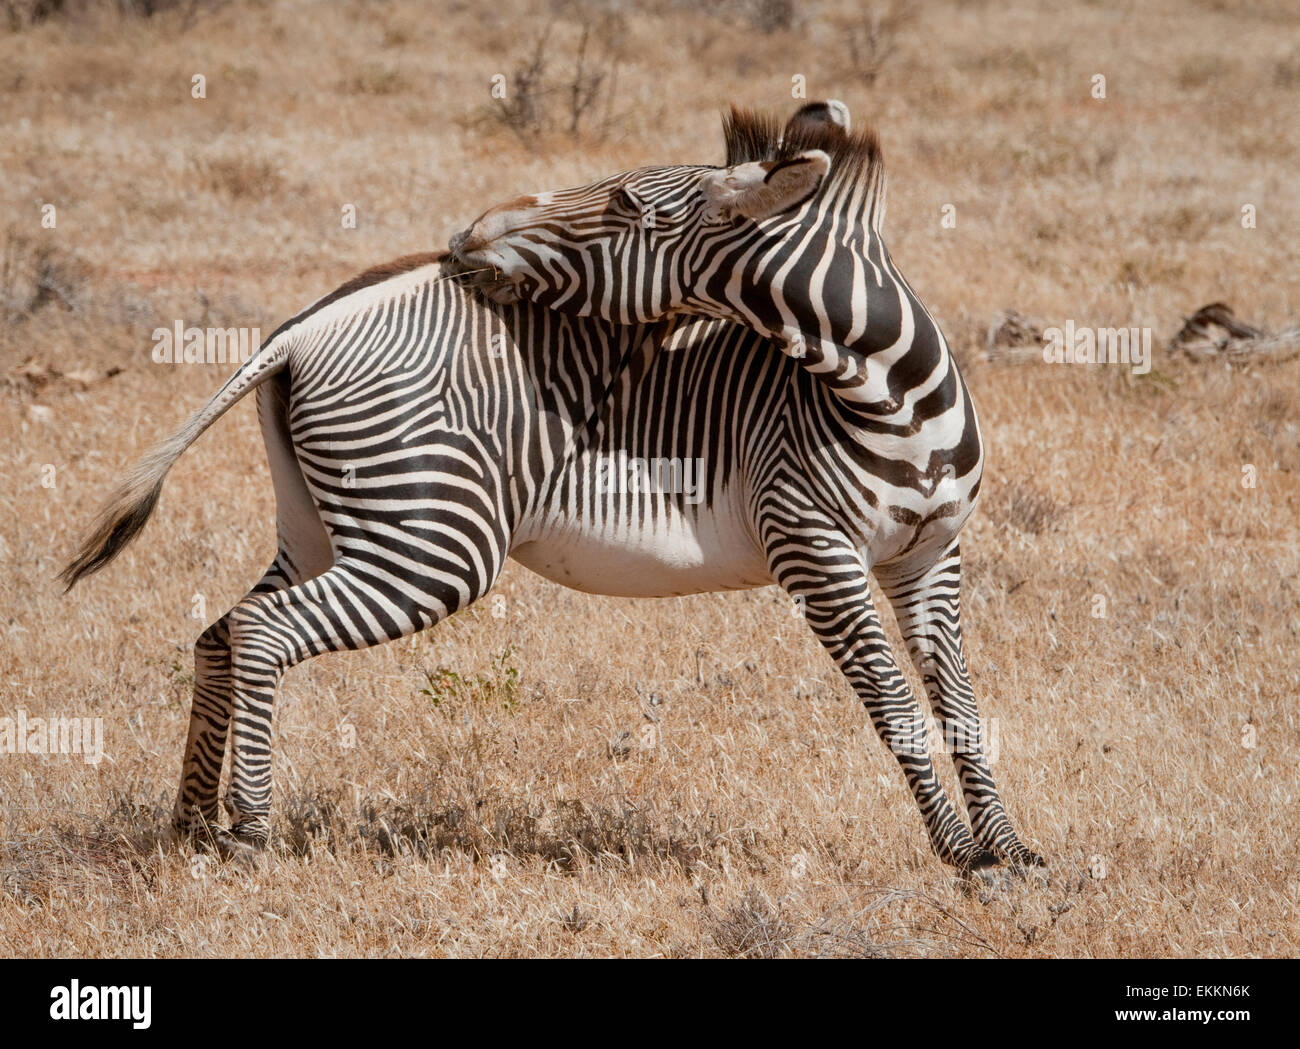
<point>871,456</point>
<point>419,434</point>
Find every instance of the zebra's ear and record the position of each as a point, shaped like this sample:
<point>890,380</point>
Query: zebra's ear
<point>813,117</point>
<point>761,189</point>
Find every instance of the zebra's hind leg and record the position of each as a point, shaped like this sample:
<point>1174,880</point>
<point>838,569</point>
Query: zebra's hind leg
<point>196,810</point>
<point>351,606</point>
<point>927,603</point>
<point>830,582</point>
<point>304,551</point>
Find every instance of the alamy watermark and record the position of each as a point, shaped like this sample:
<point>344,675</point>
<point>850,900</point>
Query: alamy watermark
<point>978,736</point>
<point>636,475</point>
<point>91,1002</point>
<point>1079,345</point>
<point>181,345</point>
<point>53,735</point>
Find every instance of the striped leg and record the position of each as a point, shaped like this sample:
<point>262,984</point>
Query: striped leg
<point>831,584</point>
<point>195,812</point>
<point>927,603</point>
<point>304,551</point>
<point>350,606</point>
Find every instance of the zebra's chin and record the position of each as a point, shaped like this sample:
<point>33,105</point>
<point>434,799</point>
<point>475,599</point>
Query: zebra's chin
<point>483,276</point>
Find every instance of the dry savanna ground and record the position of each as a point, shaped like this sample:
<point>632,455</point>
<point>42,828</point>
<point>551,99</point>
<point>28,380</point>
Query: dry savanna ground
<point>550,773</point>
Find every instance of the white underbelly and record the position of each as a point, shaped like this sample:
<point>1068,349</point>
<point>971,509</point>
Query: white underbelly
<point>684,552</point>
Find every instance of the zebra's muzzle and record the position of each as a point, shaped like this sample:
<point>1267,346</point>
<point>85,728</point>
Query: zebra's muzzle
<point>477,265</point>
<point>482,276</point>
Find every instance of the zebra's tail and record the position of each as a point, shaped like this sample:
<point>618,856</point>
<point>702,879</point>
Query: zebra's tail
<point>132,504</point>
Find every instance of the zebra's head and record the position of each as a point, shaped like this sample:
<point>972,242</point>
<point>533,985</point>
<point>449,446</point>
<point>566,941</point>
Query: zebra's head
<point>643,244</point>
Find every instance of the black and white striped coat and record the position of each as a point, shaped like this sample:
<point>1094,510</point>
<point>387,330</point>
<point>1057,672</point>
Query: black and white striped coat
<point>419,435</point>
<point>876,459</point>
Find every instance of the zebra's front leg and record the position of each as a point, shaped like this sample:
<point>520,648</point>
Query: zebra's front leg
<point>927,603</point>
<point>831,584</point>
<point>196,810</point>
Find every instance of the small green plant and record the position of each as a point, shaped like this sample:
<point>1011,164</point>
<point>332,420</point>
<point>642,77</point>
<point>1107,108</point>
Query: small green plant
<point>498,687</point>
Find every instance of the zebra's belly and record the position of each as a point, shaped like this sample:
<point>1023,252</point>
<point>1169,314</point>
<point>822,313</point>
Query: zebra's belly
<point>682,551</point>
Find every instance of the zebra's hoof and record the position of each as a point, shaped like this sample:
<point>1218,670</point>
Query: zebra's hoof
<point>251,830</point>
<point>198,831</point>
<point>983,877</point>
<point>979,862</point>
<point>1032,869</point>
<point>254,838</point>
<point>234,848</point>
<point>1023,859</point>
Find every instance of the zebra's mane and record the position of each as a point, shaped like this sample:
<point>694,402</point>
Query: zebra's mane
<point>751,135</point>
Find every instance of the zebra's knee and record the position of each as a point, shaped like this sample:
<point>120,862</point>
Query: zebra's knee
<point>256,633</point>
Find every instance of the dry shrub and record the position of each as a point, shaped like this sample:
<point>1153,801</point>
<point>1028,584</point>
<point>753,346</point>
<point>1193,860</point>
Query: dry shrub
<point>770,16</point>
<point>22,14</point>
<point>1011,331</point>
<point>1286,72</point>
<point>376,80</point>
<point>539,100</point>
<point>241,177</point>
<point>1197,71</point>
<point>34,273</point>
<point>1147,270</point>
<point>19,14</point>
<point>1186,221</point>
<point>870,40</point>
<point>752,927</point>
<point>869,925</point>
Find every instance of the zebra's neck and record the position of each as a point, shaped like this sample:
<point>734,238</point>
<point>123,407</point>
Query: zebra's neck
<point>853,323</point>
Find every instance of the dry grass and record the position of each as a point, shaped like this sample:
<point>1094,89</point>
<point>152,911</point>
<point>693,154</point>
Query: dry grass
<point>1131,608</point>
